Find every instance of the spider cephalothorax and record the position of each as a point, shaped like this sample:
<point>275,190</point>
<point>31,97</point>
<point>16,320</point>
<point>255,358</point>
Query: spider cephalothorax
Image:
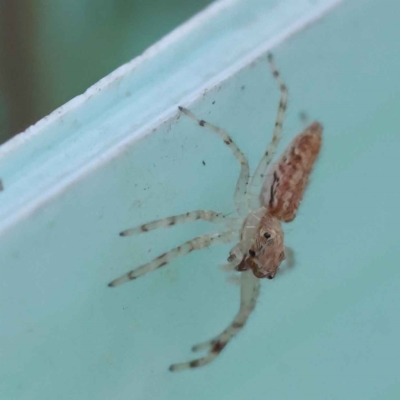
<point>262,202</point>
<point>267,250</point>
<point>261,248</point>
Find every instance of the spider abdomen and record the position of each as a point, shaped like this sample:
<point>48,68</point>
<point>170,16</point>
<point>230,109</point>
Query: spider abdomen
<point>285,184</point>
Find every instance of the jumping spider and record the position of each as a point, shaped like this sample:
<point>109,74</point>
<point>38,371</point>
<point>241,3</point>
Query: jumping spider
<point>262,202</point>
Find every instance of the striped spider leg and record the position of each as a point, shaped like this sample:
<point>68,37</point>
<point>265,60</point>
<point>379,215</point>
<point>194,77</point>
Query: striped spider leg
<point>257,228</point>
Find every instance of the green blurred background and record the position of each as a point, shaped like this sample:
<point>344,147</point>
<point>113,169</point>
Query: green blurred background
<point>53,50</point>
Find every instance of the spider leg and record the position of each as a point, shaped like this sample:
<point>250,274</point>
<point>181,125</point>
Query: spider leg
<point>198,243</point>
<point>259,174</point>
<point>250,287</point>
<point>229,267</point>
<point>210,216</point>
<point>289,256</point>
<point>242,183</point>
<point>234,280</point>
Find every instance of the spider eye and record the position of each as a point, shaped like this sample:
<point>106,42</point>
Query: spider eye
<point>267,235</point>
<point>252,253</point>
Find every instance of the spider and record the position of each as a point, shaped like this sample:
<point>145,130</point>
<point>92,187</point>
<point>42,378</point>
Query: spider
<point>271,196</point>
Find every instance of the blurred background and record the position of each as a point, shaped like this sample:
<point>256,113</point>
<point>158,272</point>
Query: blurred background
<point>53,50</point>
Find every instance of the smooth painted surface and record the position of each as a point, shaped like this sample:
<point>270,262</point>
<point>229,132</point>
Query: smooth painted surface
<point>328,329</point>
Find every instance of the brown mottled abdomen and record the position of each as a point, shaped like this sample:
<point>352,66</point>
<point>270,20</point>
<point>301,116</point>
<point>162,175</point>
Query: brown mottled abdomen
<point>286,182</point>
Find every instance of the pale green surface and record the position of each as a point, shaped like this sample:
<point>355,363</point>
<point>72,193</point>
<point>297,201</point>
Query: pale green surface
<point>329,329</point>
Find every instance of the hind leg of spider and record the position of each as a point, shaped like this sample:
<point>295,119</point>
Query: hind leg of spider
<point>198,243</point>
<point>260,172</point>
<point>242,183</point>
<point>250,287</point>
<point>204,215</point>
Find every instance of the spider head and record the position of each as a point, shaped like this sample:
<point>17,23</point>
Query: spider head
<point>266,251</point>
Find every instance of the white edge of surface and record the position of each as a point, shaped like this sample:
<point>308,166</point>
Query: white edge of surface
<point>31,132</point>
<point>32,191</point>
